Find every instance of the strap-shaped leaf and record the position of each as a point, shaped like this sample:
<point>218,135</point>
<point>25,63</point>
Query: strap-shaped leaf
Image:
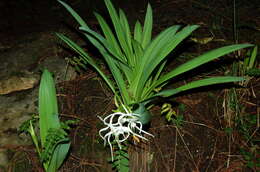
<point>138,52</point>
<point>253,58</point>
<point>138,32</point>
<point>113,61</point>
<point>75,47</point>
<point>127,33</point>
<point>74,14</point>
<point>58,156</point>
<point>149,51</point>
<point>48,107</point>
<point>199,83</point>
<point>86,57</point>
<point>152,53</point>
<point>109,36</point>
<point>118,27</point>
<point>164,48</point>
<point>209,56</point>
<point>112,64</point>
<point>148,24</point>
<point>102,44</point>
<point>84,25</point>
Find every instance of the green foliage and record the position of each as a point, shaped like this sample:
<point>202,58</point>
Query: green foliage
<point>53,138</point>
<point>66,125</point>
<point>228,130</point>
<point>249,64</point>
<point>48,107</point>
<point>168,111</point>
<point>25,126</point>
<point>49,122</point>
<point>254,72</point>
<point>54,143</point>
<point>172,116</point>
<point>250,60</point>
<point>136,61</point>
<point>178,121</point>
<point>246,126</point>
<point>252,158</point>
<point>121,159</point>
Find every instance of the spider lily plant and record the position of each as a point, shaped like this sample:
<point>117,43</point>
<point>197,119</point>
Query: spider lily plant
<point>137,61</point>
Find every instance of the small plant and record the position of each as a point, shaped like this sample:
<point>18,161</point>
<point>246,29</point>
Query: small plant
<point>250,63</point>
<point>251,157</point>
<point>236,120</point>
<point>121,161</point>
<point>247,126</point>
<point>137,62</point>
<point>54,142</point>
<point>171,115</point>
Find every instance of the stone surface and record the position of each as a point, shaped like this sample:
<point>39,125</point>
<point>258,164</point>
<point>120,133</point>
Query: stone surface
<point>23,81</point>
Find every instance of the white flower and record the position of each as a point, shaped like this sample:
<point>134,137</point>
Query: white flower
<point>121,126</point>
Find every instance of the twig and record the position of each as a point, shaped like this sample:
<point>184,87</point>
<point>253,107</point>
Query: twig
<point>175,151</point>
<point>187,148</point>
<point>212,156</point>
<point>200,124</point>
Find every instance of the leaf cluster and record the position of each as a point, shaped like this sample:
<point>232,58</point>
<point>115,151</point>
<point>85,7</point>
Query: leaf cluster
<point>136,60</point>
<point>53,138</point>
<point>54,142</point>
<point>121,159</point>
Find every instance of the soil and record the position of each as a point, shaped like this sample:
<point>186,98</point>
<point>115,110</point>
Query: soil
<point>201,142</point>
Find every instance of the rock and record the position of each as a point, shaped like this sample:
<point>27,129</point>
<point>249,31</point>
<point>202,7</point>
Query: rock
<point>3,158</point>
<point>14,110</point>
<point>20,82</point>
<point>59,67</point>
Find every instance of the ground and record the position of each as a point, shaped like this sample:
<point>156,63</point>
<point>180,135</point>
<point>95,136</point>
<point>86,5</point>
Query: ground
<point>205,140</point>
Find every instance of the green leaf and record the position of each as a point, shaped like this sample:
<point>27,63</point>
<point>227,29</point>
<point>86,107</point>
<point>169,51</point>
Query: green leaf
<point>209,56</point>
<point>120,32</point>
<point>138,52</point>
<point>48,108</point>
<point>139,68</point>
<point>111,45</point>
<point>157,51</point>
<point>113,66</point>
<point>148,22</point>
<point>58,156</point>
<point>121,160</point>
<point>137,62</point>
<point>253,58</point>
<point>87,58</point>
<point>76,48</point>
<point>74,14</point>
<point>26,125</point>
<point>109,37</point>
<point>127,35</point>
<point>199,83</point>
<point>138,32</point>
